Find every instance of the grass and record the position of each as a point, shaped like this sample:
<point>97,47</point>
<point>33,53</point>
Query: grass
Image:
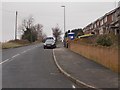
<point>14,44</point>
<point>10,45</point>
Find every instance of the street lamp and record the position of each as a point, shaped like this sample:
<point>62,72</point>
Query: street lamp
<point>64,18</point>
<point>64,26</point>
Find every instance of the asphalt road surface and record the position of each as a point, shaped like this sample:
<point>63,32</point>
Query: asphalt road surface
<point>31,67</point>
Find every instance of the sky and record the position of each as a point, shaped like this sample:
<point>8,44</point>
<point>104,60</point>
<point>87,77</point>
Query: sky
<point>49,14</point>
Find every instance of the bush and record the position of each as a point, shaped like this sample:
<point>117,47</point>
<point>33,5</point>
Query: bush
<point>104,40</point>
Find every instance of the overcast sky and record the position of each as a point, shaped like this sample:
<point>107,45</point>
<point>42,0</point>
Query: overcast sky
<point>78,14</point>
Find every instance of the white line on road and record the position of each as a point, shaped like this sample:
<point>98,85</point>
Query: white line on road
<point>73,86</point>
<point>28,49</point>
<point>24,52</point>
<point>4,61</point>
<point>9,58</point>
<point>15,55</point>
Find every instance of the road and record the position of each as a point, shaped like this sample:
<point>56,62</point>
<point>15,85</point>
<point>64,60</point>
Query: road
<point>31,67</point>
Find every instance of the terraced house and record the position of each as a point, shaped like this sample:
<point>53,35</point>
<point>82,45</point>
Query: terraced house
<point>109,23</point>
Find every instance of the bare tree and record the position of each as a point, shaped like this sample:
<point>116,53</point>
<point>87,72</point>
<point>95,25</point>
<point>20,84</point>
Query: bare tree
<point>27,23</point>
<point>28,29</point>
<point>31,31</point>
<point>39,29</point>
<point>57,32</point>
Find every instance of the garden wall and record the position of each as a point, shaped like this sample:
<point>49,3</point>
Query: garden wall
<point>106,56</point>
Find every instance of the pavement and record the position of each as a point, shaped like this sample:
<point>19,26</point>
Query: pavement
<point>84,71</point>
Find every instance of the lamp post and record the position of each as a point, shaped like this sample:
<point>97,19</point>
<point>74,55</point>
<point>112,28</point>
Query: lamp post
<point>64,27</point>
<point>16,26</point>
<point>64,18</point>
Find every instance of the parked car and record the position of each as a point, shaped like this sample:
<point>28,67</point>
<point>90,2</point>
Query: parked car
<point>50,43</point>
<point>47,38</point>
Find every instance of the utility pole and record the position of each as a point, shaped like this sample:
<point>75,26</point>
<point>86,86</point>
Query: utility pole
<point>16,25</point>
<point>64,19</point>
<point>64,26</point>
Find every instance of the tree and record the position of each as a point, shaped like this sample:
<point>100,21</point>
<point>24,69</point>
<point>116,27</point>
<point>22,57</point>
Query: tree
<point>66,33</point>
<point>39,29</point>
<point>27,23</point>
<point>77,32</point>
<point>56,32</point>
<point>30,34</point>
<point>29,30</point>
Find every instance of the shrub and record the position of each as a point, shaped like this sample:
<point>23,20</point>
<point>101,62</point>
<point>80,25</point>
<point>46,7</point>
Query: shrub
<point>104,40</point>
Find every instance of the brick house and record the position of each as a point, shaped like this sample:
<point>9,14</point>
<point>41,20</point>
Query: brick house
<point>115,25</point>
<point>96,26</point>
<point>87,29</point>
<point>109,23</point>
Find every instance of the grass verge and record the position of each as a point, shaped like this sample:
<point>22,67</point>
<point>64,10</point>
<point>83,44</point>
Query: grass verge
<point>14,44</point>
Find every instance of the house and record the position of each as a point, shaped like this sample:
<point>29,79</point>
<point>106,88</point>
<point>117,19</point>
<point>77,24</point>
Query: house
<point>87,29</point>
<point>109,23</point>
<point>96,26</point>
<point>115,25</point>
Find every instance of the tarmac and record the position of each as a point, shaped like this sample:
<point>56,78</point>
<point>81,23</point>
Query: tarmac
<point>84,72</point>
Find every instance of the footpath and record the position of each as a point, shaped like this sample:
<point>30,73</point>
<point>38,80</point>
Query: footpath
<point>84,72</point>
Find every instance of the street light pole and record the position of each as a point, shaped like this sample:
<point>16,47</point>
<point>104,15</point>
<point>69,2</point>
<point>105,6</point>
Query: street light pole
<point>16,25</point>
<point>64,18</point>
<point>64,26</point>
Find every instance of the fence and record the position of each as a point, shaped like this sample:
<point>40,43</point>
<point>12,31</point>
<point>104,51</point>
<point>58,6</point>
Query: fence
<point>106,56</point>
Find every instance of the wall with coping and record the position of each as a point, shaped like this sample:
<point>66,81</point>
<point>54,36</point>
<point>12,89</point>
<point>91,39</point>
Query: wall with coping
<point>106,56</point>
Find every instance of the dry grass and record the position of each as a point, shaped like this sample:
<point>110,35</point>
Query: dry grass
<point>14,44</point>
<point>10,45</point>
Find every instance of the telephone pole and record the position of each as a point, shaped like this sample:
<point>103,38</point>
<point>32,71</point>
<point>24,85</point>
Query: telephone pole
<point>64,19</point>
<point>16,25</point>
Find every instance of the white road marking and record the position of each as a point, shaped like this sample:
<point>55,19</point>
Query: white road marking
<point>16,55</point>
<point>4,61</point>
<point>73,86</point>
<point>24,52</point>
<point>28,49</point>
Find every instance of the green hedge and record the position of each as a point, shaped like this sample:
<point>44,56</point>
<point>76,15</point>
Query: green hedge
<point>104,40</point>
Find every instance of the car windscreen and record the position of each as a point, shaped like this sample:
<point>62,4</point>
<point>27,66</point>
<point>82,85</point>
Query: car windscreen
<point>49,41</point>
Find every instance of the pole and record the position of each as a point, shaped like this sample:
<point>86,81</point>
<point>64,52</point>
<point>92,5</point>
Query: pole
<point>16,25</point>
<point>64,26</point>
<point>31,35</point>
<point>64,20</point>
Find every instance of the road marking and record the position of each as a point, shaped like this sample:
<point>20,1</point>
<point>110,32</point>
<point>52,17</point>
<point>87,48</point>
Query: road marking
<point>4,61</point>
<point>24,52</point>
<point>15,55</point>
<point>68,75</point>
<point>9,58</point>
<point>73,86</point>
<point>28,49</point>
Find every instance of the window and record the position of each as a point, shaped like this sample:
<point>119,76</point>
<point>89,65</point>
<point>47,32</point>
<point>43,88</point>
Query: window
<point>98,23</point>
<point>105,19</point>
<point>95,25</point>
<point>101,22</point>
<point>112,17</point>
